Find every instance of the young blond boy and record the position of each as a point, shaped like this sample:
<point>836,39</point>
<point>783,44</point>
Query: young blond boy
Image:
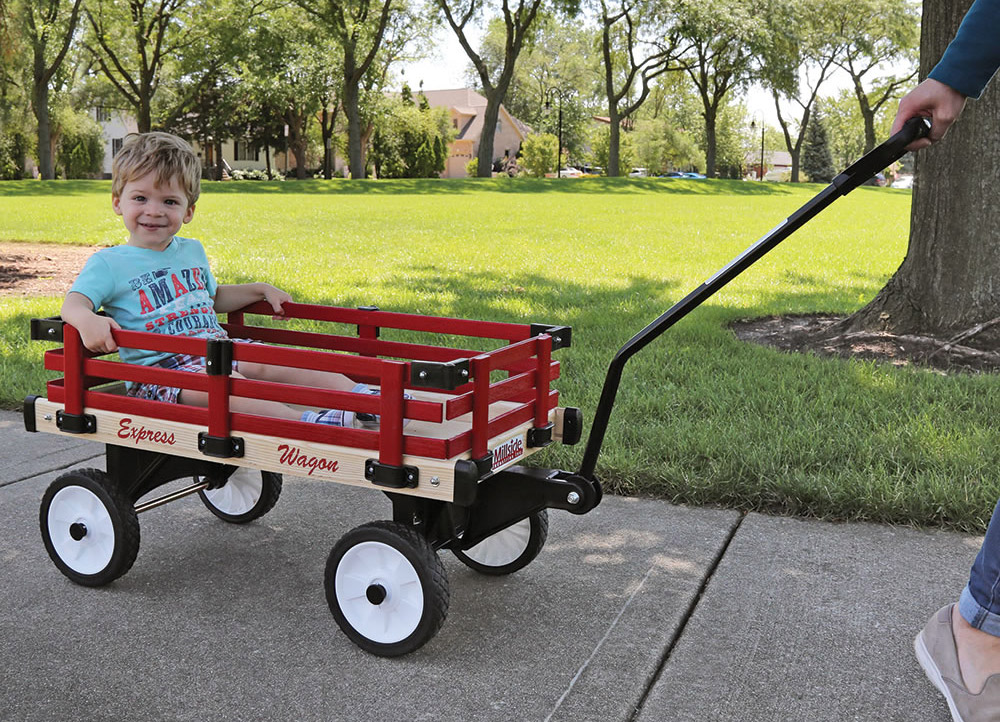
<point>162,283</point>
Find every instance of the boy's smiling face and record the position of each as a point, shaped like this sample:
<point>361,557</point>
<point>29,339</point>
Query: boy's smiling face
<point>152,212</point>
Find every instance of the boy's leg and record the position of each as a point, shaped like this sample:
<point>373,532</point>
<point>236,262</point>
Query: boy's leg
<point>242,405</point>
<point>298,377</point>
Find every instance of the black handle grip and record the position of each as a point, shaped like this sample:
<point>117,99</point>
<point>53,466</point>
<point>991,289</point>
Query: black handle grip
<point>883,155</point>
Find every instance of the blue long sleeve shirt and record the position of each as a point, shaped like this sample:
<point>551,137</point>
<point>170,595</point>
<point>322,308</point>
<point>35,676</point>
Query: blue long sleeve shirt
<point>973,56</point>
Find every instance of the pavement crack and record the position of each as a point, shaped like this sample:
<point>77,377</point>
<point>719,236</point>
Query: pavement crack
<point>688,613</point>
<point>597,648</point>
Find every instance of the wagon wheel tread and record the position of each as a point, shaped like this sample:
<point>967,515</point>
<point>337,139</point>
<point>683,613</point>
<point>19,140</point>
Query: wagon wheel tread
<point>128,528</point>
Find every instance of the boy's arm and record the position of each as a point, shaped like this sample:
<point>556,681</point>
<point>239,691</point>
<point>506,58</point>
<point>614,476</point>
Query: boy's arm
<point>234,297</point>
<point>95,331</point>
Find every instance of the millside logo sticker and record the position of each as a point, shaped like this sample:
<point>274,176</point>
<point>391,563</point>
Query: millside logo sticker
<point>507,452</point>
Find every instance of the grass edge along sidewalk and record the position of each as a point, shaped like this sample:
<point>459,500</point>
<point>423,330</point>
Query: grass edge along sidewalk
<point>702,418</point>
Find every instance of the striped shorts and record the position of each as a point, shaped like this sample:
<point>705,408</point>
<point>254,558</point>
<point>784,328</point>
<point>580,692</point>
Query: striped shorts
<point>177,362</point>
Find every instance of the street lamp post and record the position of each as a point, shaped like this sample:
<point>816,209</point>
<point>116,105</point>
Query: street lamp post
<point>548,106</point>
<point>753,127</point>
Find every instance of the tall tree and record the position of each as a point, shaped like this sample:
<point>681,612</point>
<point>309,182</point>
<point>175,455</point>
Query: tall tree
<point>519,23</point>
<point>358,27</point>
<point>558,68</point>
<point>49,26</point>
<point>877,38</point>
<point>724,37</point>
<point>639,41</point>
<point>132,40</point>
<point>796,69</point>
<point>946,283</point>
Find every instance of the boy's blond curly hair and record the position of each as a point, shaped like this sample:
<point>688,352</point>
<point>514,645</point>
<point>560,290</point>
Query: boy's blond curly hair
<point>162,153</point>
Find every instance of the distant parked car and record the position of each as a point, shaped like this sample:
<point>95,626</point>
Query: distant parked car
<point>692,175</point>
<point>570,172</point>
<point>638,173</point>
<point>904,181</point>
<point>672,174</point>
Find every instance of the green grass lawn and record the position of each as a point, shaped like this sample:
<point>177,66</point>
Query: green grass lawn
<point>701,417</point>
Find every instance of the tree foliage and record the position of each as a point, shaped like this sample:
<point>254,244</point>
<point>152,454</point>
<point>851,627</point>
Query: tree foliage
<point>817,159</point>
<point>411,140</point>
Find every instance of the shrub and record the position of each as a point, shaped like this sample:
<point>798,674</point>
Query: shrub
<point>540,153</point>
<point>258,175</point>
<point>13,149</point>
<point>472,167</point>
<point>81,147</point>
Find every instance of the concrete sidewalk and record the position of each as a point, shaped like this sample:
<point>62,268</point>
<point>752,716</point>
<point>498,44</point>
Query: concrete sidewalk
<point>639,611</point>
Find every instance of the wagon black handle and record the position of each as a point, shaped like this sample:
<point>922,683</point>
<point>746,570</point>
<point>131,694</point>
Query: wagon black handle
<point>855,175</point>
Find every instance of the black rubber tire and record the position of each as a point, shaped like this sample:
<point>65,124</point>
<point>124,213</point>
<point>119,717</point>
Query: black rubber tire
<point>410,556</point>
<point>270,490</point>
<point>479,557</point>
<point>62,514</point>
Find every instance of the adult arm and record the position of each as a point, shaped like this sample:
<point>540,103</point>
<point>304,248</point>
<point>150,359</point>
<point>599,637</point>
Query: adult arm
<point>964,70</point>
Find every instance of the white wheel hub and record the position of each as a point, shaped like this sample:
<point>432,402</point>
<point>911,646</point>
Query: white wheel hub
<point>81,530</point>
<point>239,494</point>
<point>379,592</point>
<point>503,548</point>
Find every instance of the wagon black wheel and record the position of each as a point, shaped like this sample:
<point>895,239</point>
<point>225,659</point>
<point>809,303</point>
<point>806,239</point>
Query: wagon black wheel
<point>89,527</point>
<point>247,495</point>
<point>387,588</point>
<point>509,549</point>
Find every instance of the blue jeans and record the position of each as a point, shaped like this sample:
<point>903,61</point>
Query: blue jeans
<point>979,604</point>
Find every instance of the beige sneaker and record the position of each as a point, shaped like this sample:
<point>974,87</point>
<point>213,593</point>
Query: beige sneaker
<point>937,654</point>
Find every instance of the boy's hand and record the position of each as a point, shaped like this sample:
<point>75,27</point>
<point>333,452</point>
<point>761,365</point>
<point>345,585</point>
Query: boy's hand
<point>95,332</point>
<point>277,298</point>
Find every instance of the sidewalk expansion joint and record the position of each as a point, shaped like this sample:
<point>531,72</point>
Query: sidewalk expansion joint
<point>49,471</point>
<point>688,613</point>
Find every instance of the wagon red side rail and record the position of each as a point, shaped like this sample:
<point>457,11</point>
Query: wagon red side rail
<point>458,412</point>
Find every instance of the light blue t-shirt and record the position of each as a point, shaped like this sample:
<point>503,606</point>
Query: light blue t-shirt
<point>167,291</point>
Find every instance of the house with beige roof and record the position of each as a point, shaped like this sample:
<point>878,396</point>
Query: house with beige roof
<point>467,108</point>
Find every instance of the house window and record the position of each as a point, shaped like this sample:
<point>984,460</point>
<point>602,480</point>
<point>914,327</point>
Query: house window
<point>245,151</point>
<point>103,115</point>
<point>454,123</point>
<point>116,145</point>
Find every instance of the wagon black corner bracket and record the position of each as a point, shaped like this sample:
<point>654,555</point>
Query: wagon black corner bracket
<point>562,336</point>
<point>221,447</point>
<point>47,329</point>
<point>30,423</point>
<point>219,357</point>
<point>76,423</point>
<point>391,476</point>
<point>447,375</point>
<point>572,426</point>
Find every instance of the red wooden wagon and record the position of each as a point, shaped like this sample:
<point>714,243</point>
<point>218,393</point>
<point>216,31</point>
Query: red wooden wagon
<point>452,473</point>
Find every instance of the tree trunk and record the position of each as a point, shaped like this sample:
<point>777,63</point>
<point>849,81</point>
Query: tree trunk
<point>40,106</point>
<point>711,141</point>
<point>614,145</point>
<point>353,113</point>
<point>490,116</point>
<point>947,282</point>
